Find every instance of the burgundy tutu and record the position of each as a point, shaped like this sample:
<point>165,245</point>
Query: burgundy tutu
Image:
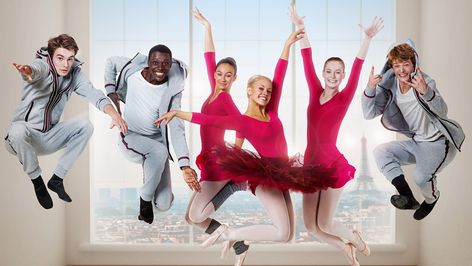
<point>209,170</point>
<point>285,174</point>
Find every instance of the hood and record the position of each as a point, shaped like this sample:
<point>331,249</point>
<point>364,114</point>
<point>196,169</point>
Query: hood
<point>43,54</point>
<point>408,41</point>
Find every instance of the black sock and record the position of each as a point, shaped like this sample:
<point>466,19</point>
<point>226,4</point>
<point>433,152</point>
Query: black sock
<point>239,247</point>
<point>214,224</point>
<point>424,210</point>
<point>37,181</point>
<point>146,213</point>
<point>56,184</point>
<point>402,186</point>
<point>42,193</point>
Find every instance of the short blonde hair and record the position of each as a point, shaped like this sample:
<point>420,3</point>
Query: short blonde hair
<point>254,79</point>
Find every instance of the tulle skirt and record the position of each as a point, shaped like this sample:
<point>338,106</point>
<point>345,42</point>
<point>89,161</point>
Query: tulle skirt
<point>285,174</point>
<point>328,155</point>
<point>209,170</point>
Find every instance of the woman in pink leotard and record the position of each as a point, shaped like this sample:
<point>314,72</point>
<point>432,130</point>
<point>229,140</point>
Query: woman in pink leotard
<point>261,126</point>
<point>326,110</point>
<point>214,187</point>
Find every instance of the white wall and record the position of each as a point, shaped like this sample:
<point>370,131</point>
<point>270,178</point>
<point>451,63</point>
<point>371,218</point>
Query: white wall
<point>445,52</point>
<point>30,235</point>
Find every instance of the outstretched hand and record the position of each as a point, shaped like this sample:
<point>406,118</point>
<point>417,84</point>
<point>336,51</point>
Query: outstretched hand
<point>418,82</point>
<point>374,80</point>
<point>294,17</point>
<point>25,71</point>
<point>165,118</point>
<point>190,177</point>
<point>199,16</point>
<point>120,123</point>
<point>374,28</point>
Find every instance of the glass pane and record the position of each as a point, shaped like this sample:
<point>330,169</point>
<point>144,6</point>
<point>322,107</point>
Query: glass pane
<point>316,20</point>
<point>140,21</point>
<point>243,30</point>
<point>343,17</point>
<point>173,20</point>
<point>105,15</point>
<point>239,28</point>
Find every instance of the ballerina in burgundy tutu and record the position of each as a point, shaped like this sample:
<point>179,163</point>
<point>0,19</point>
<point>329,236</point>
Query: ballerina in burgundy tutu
<point>216,187</point>
<point>326,110</point>
<point>261,126</point>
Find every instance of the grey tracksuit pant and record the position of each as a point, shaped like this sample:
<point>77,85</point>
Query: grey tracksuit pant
<point>27,143</point>
<point>152,154</point>
<point>430,158</point>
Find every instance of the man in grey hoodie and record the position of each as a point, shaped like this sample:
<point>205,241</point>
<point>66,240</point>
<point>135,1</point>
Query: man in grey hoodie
<point>35,128</point>
<point>151,85</point>
<point>410,103</point>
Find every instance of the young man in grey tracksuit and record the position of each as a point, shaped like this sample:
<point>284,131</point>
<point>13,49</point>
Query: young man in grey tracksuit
<point>410,103</point>
<point>149,86</point>
<point>35,128</point>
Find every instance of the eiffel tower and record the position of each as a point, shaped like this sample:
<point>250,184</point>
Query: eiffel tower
<point>364,181</point>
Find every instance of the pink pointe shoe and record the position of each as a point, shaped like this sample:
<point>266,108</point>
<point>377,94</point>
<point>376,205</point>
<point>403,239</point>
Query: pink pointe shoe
<point>360,245</point>
<point>226,247</point>
<point>350,253</point>
<point>239,259</point>
<point>211,240</point>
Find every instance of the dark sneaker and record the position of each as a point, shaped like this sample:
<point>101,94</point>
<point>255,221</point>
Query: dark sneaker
<point>403,202</point>
<point>146,213</point>
<point>42,195</point>
<point>424,210</point>
<point>56,184</point>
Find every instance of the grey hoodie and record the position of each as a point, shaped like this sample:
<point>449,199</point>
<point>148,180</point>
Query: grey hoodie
<point>117,71</point>
<point>44,97</point>
<point>380,101</point>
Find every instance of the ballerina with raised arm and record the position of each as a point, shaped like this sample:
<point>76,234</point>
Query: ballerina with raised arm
<point>326,110</point>
<point>261,126</point>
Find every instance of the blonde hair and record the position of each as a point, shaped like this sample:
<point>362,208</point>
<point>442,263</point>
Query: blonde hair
<point>254,79</point>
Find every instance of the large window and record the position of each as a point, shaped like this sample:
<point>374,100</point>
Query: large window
<point>253,32</point>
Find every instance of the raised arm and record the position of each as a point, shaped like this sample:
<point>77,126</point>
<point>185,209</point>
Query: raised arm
<point>370,32</point>
<point>348,92</point>
<point>281,69</point>
<point>209,50</point>
<point>312,79</point>
<point>292,38</point>
<point>299,24</point>
<point>209,44</point>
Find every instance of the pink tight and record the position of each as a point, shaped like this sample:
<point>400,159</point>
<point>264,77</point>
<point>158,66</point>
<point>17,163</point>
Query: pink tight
<point>279,208</point>
<point>200,206</point>
<point>318,213</point>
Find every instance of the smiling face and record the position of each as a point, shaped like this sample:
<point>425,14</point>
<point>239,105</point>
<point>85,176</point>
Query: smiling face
<point>159,65</point>
<point>63,59</point>
<point>403,69</point>
<point>333,74</point>
<point>224,75</point>
<point>260,90</point>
